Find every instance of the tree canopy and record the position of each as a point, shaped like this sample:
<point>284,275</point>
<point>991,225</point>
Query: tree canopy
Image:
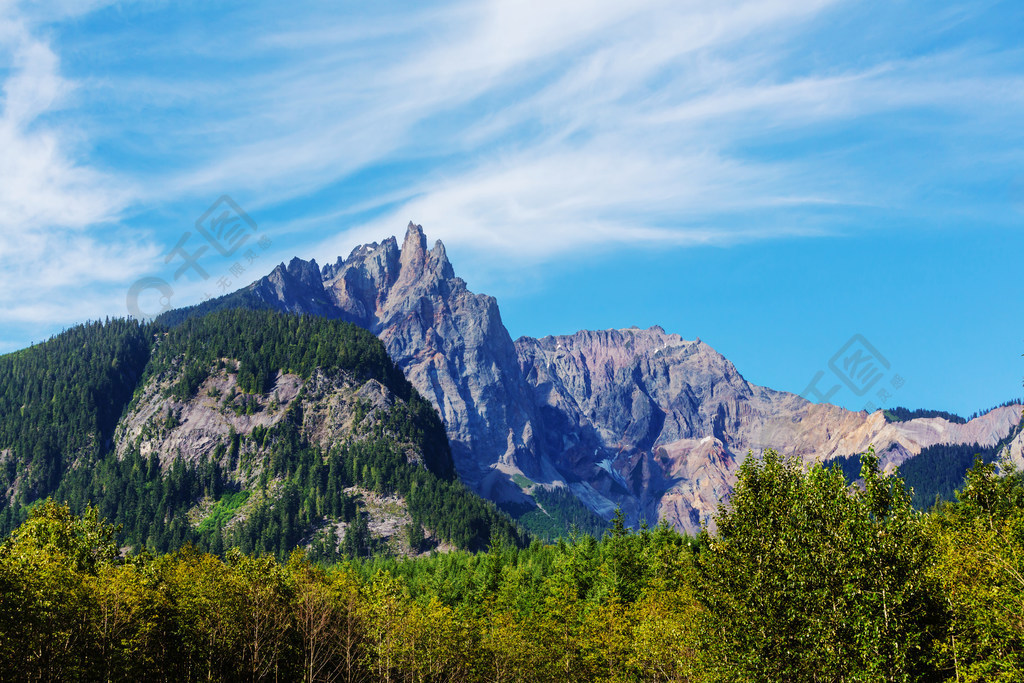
<point>805,579</point>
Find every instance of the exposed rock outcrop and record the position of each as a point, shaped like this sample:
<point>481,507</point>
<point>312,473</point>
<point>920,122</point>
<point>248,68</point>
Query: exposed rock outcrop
<point>168,428</point>
<point>452,346</point>
<point>334,408</point>
<point>658,425</point>
<point>296,288</point>
<point>640,419</point>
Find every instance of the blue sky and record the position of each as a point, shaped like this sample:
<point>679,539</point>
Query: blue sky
<point>774,177</point>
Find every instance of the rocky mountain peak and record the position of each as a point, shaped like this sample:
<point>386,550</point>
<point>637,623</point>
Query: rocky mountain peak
<point>306,272</point>
<point>450,343</point>
<point>438,263</point>
<point>630,417</point>
<point>414,251</point>
<point>297,288</point>
<point>330,269</point>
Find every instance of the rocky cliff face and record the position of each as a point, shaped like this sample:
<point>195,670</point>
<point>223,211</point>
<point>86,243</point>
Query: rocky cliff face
<point>452,346</point>
<point>450,343</point>
<point>634,418</point>
<point>658,424</point>
<point>334,408</point>
<point>296,288</point>
<point>1015,450</point>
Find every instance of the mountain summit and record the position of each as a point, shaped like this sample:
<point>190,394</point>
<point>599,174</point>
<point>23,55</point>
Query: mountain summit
<point>453,347</point>
<point>638,419</point>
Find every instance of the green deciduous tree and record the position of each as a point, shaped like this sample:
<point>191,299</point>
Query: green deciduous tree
<point>981,541</point>
<point>807,580</point>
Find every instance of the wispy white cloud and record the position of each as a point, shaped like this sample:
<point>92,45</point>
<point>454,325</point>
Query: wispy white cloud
<point>43,184</point>
<point>521,130</point>
<point>607,158</point>
<point>53,261</point>
<point>326,111</point>
<point>538,205</point>
<point>576,127</point>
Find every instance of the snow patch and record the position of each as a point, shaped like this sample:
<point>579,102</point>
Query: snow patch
<point>606,465</point>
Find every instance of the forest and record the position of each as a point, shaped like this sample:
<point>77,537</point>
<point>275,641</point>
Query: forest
<point>108,574</point>
<point>935,474</point>
<point>901,414</point>
<point>60,402</point>
<point>804,579</point>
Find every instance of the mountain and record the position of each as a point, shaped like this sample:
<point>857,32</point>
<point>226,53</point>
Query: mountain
<point>453,347</point>
<point>658,424</point>
<point>249,429</point>
<point>638,419</point>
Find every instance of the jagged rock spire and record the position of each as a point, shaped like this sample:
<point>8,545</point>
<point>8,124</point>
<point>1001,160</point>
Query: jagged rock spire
<point>414,248</point>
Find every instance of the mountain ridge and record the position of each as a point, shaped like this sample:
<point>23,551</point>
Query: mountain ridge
<point>638,419</point>
<point>239,429</point>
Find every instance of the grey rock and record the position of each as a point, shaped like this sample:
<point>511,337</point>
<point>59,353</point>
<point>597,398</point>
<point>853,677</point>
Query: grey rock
<point>639,419</point>
<point>670,420</point>
<point>453,347</point>
<point>295,288</point>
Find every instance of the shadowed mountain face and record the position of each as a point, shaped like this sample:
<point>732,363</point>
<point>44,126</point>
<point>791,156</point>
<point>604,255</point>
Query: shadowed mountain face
<point>634,418</point>
<point>452,346</point>
<point>296,288</point>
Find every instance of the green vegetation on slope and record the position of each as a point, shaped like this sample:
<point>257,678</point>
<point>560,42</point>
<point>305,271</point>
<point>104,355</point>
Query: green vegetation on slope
<point>224,509</point>
<point>60,402</point>
<point>805,580</point>
<point>62,399</point>
<point>938,472</point>
<point>240,299</point>
<point>557,511</point>
<point>265,342</point>
<point>901,414</point>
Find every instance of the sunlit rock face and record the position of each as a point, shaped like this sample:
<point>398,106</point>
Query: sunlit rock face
<point>639,419</point>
